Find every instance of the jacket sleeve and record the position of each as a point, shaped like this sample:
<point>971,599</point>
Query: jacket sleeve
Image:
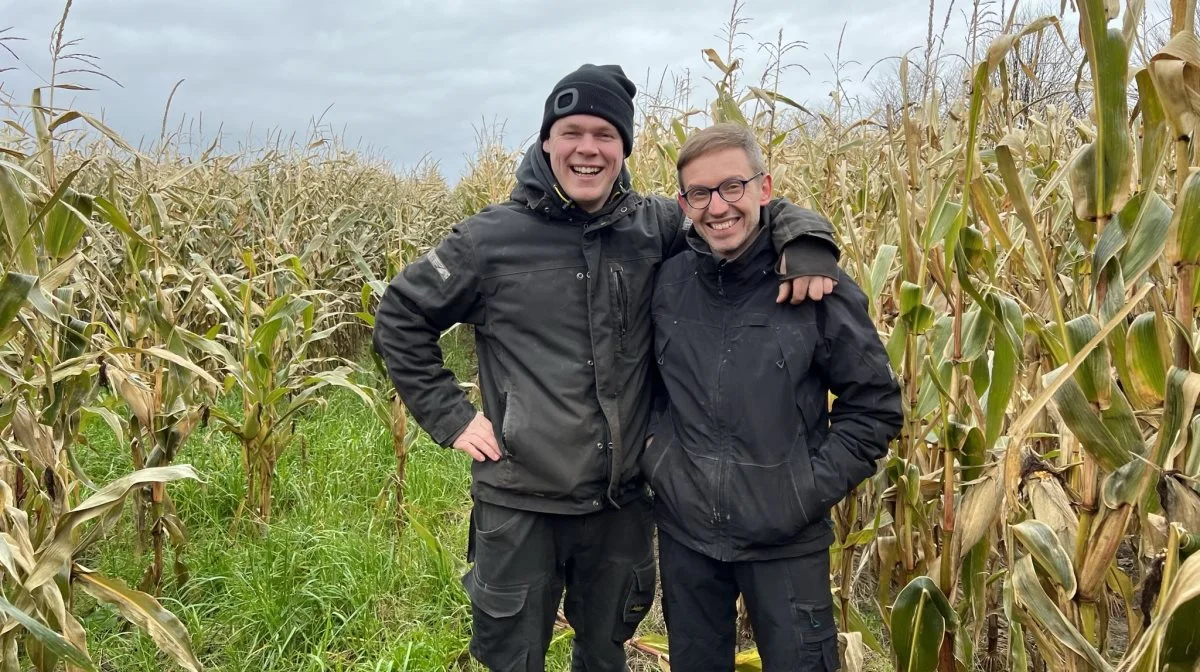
<point>867,412</point>
<point>804,239</point>
<point>426,298</point>
<point>671,224</point>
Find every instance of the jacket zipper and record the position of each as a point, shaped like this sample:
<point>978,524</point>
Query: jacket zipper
<point>621,307</point>
<point>723,459</point>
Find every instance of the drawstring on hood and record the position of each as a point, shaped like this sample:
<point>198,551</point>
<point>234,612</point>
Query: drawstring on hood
<point>538,189</point>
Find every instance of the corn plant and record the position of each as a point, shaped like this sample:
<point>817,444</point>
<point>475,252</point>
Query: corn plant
<point>52,357</point>
<point>271,319</point>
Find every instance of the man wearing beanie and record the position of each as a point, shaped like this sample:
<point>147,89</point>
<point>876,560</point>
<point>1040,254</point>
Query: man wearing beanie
<point>557,282</point>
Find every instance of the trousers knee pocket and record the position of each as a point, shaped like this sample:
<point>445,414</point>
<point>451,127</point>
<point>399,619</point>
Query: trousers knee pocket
<point>496,639</point>
<point>639,597</point>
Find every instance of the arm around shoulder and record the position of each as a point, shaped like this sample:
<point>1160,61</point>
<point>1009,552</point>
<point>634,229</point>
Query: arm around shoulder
<point>427,297</point>
<point>670,220</point>
<point>804,240</point>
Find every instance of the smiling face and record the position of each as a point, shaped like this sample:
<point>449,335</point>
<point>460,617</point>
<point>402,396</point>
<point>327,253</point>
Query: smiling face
<point>726,227</point>
<point>585,154</point>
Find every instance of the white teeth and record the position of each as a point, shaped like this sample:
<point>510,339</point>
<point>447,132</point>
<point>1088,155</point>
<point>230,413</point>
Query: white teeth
<point>721,226</point>
<point>586,170</point>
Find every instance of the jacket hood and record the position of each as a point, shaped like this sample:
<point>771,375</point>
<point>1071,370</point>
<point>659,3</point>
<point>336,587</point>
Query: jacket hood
<point>537,188</point>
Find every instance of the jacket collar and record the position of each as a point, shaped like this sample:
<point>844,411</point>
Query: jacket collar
<point>537,189</point>
<point>740,274</point>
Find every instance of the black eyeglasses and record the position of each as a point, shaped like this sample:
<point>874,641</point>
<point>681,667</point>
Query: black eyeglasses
<point>731,191</point>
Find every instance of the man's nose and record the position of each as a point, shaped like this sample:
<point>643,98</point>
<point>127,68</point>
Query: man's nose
<point>717,205</point>
<point>587,144</point>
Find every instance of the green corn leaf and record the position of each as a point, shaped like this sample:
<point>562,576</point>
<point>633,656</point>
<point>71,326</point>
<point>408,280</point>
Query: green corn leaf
<point>879,269</point>
<point>117,219</point>
<point>921,616</point>
<point>1016,631</point>
<point>913,310</point>
<point>976,331</point>
<point>1156,134</point>
<point>1148,356</point>
<point>1005,362</point>
<point>1183,236</point>
<point>14,289</point>
<point>67,223</point>
<point>1171,637</point>
<point>941,217</point>
<point>1043,544</point>
<point>1099,178</point>
<point>1147,218</point>
<point>1093,376</point>
<point>1087,426</point>
<point>15,210</point>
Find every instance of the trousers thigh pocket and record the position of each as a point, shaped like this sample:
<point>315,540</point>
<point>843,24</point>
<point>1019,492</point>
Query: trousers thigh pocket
<point>639,596</point>
<point>501,630</point>
<point>816,638</point>
<point>510,547</point>
<point>814,621</point>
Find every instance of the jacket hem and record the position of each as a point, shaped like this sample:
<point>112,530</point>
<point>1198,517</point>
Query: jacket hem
<point>594,502</point>
<point>726,554</point>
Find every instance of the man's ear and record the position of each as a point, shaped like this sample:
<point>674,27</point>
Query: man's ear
<point>768,186</point>
<point>683,204</point>
<point>546,145</point>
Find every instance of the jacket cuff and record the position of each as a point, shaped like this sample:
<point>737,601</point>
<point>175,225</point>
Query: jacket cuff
<point>809,255</point>
<point>448,429</point>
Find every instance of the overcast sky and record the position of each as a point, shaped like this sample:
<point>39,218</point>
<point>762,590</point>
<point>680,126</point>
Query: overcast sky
<point>414,79</point>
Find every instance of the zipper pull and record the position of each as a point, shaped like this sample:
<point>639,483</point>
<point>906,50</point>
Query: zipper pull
<point>812,620</point>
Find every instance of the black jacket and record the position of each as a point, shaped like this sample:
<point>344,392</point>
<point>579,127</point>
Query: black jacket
<point>561,304</point>
<point>746,459</point>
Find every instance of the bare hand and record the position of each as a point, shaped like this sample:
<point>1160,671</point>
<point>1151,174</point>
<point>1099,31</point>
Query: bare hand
<point>814,287</point>
<point>478,440</point>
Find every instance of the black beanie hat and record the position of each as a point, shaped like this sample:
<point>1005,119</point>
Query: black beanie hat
<point>599,90</point>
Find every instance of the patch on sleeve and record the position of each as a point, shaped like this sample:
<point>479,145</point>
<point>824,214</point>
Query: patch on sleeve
<point>437,263</point>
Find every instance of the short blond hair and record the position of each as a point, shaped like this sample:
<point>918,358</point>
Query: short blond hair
<point>725,135</point>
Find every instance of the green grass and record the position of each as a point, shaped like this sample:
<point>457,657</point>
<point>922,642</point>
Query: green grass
<point>332,586</point>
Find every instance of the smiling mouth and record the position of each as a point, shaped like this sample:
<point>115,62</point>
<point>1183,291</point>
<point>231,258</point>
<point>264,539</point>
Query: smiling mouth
<point>585,171</point>
<point>722,226</point>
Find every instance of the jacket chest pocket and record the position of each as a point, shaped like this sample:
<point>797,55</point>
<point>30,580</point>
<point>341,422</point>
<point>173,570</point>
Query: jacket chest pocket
<point>630,283</point>
<point>619,300</point>
<point>795,348</point>
<point>686,356</point>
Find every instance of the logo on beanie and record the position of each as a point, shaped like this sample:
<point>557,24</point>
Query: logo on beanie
<point>566,100</point>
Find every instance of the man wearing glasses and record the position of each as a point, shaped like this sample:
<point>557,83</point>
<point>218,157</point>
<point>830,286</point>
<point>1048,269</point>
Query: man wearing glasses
<point>746,457</point>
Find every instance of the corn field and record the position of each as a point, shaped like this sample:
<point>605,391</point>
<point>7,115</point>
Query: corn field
<point>1032,268</point>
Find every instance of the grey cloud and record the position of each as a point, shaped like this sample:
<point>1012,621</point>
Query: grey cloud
<point>413,78</point>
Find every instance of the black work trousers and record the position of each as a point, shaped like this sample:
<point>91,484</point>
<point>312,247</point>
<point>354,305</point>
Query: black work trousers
<point>523,560</point>
<point>789,602</point>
